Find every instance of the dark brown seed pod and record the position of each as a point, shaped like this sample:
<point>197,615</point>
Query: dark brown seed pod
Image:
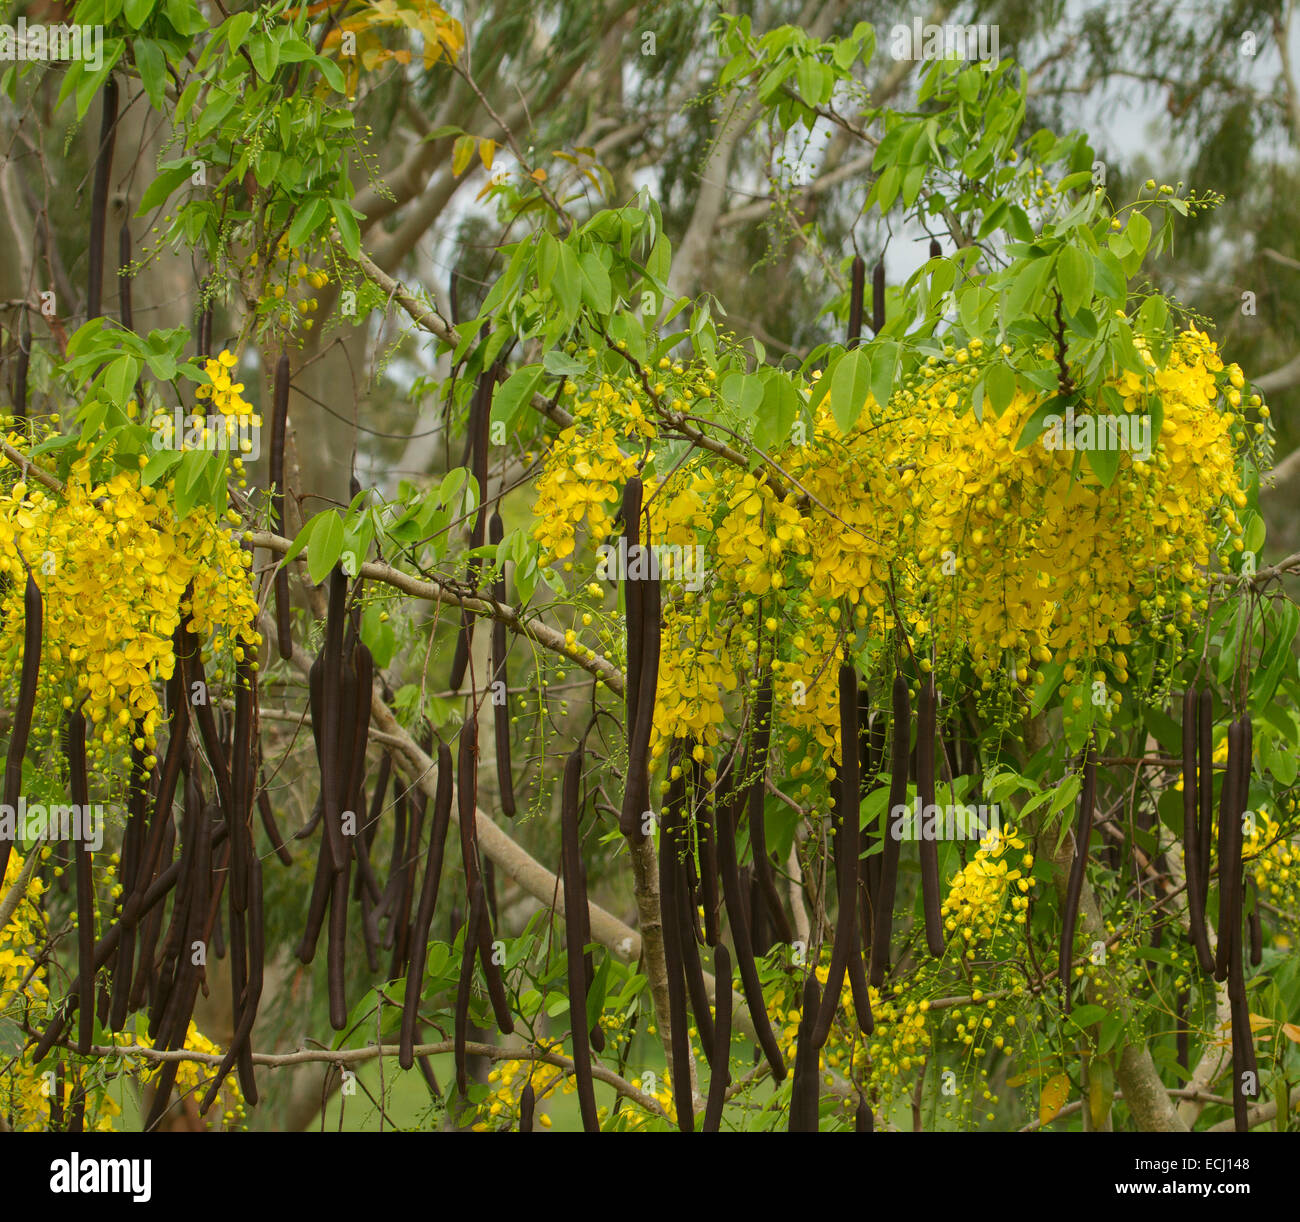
<point>1192,839</point>
<point>279,429</point>
<point>463,989</point>
<point>1231,804</point>
<point>864,1120</point>
<point>804,1090</point>
<point>123,279</point>
<point>203,332</point>
<point>927,712</point>
<point>740,933</point>
<point>633,614</point>
<point>846,857</point>
<point>1183,1033</point>
<point>756,768</point>
<point>527,1103</point>
<point>33,622</point>
<point>20,369</point>
<point>242,771</point>
<point>1244,1067</point>
<point>269,825</point>
<point>419,936</point>
<point>575,903</point>
<point>670,883</point>
<point>99,198</point>
<point>706,836</point>
<point>878,297</point>
<point>720,1060</point>
<point>331,721</point>
<point>132,846</point>
<point>857,292</point>
<point>501,696</point>
<point>883,913</point>
<point>694,968</point>
<point>1205,787</point>
<point>76,728</point>
<point>1074,887</point>
<point>336,950</point>
<point>404,886</point>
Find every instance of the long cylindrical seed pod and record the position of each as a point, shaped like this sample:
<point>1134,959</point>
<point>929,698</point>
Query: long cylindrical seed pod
<point>76,726</point>
<point>463,989</point>
<point>480,423</point>
<point>501,696</point>
<point>864,1120</point>
<point>33,626</point>
<point>883,914</point>
<point>636,796</point>
<point>1074,887</point>
<point>878,297</point>
<point>706,835</point>
<point>857,292</point>
<point>150,926</point>
<point>575,903</point>
<point>1205,787</point>
<point>419,937</point>
<point>123,280</point>
<point>242,765</point>
<point>99,198</point>
<point>203,332</point>
<point>331,717</point>
<point>846,856</point>
<point>336,950</point>
<point>1231,804</point>
<point>720,1058</point>
<point>132,847</point>
<point>694,968</point>
<point>670,883</point>
<point>269,825</point>
<point>757,769</point>
<point>20,369</point>
<point>804,1091</point>
<point>633,614</point>
<point>279,428</point>
<point>927,713</point>
<point>740,933</point>
<point>467,801</point>
<point>1192,839</point>
<point>317,907</point>
<point>405,890</point>
<point>858,985</point>
<point>527,1103</point>
<point>869,867</point>
<point>1244,1067</point>
<point>1183,1033</point>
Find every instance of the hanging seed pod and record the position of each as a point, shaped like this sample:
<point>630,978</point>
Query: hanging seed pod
<point>33,621</point>
<point>242,766</point>
<point>864,1120</point>
<point>846,857</point>
<point>123,279</point>
<point>936,251</point>
<point>279,430</point>
<point>336,947</point>
<point>1182,1031</point>
<point>1256,929</point>
<point>527,1102</point>
<point>927,713</point>
<point>1196,868</point>
<point>642,592</point>
<point>1074,888</point>
<point>76,729</point>
<point>720,1058</point>
<point>804,1091</point>
<point>269,825</point>
<point>1231,804</point>
<point>99,199</point>
<point>20,370</point>
<point>1205,787</point>
<point>463,989</point>
<point>330,721</point>
<point>858,276</point>
<point>400,925</point>
<point>740,933</point>
<point>418,946</point>
<point>670,881</point>
<point>757,769</point>
<point>480,423</point>
<point>575,903</point>
<point>1244,1067</point>
<point>633,614</point>
<point>878,297</point>
<point>501,707</point>
<point>705,833</point>
<point>694,968</point>
<point>132,846</point>
<point>883,913</point>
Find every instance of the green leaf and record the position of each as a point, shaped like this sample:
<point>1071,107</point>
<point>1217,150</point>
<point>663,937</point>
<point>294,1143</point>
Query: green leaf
<point>1138,231</point>
<point>745,392</point>
<point>1037,423</point>
<point>850,386</point>
<point>1074,271</point>
<point>158,191</point>
<point>237,29</point>
<point>325,547</point>
<point>307,220</point>
<point>596,291</point>
<point>511,395</point>
<point>1000,387</point>
<point>137,12</point>
<point>1104,464</point>
<point>264,51</point>
<point>119,379</point>
<point>349,231</point>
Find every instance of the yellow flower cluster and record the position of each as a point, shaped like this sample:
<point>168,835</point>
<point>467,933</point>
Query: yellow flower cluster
<point>112,564</point>
<point>975,908</point>
<point>585,470</point>
<point>1275,867</point>
<point>227,396</point>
